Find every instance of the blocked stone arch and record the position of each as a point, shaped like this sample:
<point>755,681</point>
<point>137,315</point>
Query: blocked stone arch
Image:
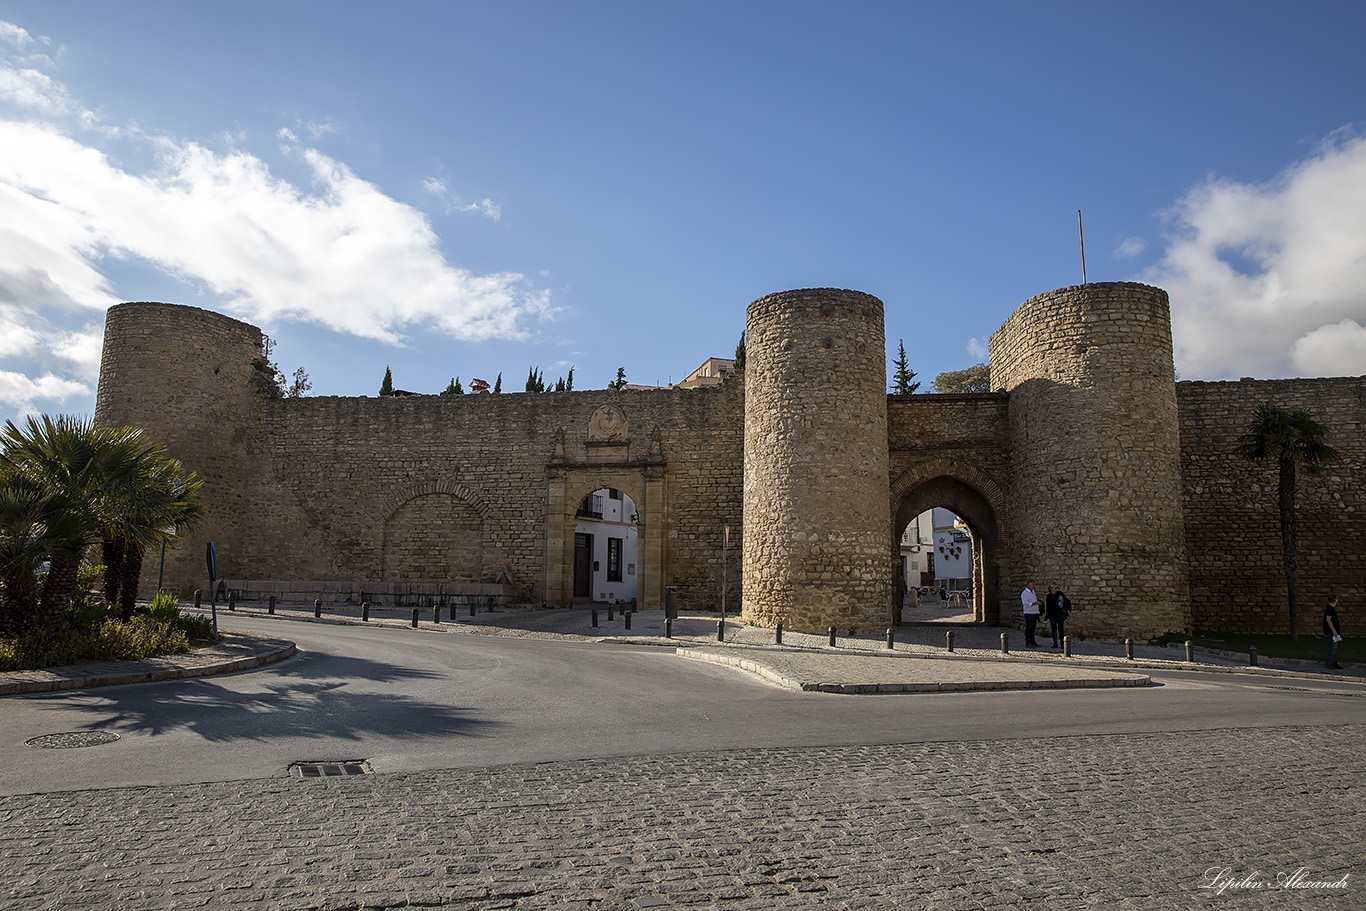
<point>460,491</point>
<point>440,531</point>
<point>978,500</point>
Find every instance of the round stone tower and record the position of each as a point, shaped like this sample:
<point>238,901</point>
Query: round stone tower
<point>817,524</point>
<point>193,381</point>
<point>1095,457</point>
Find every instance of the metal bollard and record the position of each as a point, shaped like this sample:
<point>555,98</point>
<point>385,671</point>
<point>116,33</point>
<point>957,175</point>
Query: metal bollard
<point>414,618</point>
<point>610,614</point>
<point>1252,656</point>
<point>948,640</point>
<point>778,634</point>
<point>1067,646</point>
<point>626,615</point>
<point>720,631</point>
<point>317,609</point>
<point>271,608</point>
<point>365,612</point>
<point>668,628</point>
<point>436,614</point>
<point>232,601</point>
<point>198,598</point>
<point>1129,649</point>
<point>1005,644</point>
<point>1190,651</point>
<point>832,635</point>
<point>595,618</point>
<point>890,640</point>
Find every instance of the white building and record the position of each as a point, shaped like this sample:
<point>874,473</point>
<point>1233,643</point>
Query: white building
<point>936,551</point>
<point>605,547</point>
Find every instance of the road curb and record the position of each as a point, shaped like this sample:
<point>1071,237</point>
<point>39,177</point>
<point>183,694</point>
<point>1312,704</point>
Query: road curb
<point>961,686</point>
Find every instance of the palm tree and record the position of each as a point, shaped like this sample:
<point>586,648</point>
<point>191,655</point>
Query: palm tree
<point>34,524</point>
<point>1290,438</point>
<point>108,479</point>
<point>152,508</point>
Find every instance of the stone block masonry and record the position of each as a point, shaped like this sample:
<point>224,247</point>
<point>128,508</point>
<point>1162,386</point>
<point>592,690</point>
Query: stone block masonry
<point>1087,465</point>
<point>816,521</point>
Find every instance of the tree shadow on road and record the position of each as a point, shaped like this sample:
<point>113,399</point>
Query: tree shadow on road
<point>336,698</point>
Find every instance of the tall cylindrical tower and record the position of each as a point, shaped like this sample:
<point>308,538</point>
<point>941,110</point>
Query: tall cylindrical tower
<point>817,525</point>
<point>195,382</point>
<point>1095,474</point>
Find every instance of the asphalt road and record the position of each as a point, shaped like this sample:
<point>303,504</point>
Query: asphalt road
<point>409,701</point>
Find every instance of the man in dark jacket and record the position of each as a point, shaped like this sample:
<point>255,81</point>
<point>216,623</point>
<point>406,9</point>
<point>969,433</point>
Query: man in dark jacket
<point>1056,608</point>
<point>1332,628</point>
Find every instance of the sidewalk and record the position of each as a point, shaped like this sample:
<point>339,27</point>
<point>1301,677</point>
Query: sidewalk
<point>918,662</point>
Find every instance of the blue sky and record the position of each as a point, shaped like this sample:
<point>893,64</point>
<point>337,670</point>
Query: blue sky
<point>462,189</point>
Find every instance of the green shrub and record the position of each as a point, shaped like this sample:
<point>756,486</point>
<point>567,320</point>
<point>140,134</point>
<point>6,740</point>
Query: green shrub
<point>87,609</point>
<point>141,637</point>
<point>166,609</point>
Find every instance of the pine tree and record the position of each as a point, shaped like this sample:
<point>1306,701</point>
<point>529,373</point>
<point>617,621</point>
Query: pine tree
<point>535,381</point>
<point>387,387</point>
<point>569,383</point>
<point>901,379</point>
<point>620,381</point>
<point>498,383</point>
<point>454,388</point>
<point>300,385</point>
<point>740,353</point>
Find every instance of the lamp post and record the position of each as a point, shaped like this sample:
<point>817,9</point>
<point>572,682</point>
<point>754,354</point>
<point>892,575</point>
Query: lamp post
<point>161,568</point>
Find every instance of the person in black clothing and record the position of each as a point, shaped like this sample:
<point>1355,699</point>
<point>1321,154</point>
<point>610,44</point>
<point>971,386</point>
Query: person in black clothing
<point>1056,608</point>
<point>1332,628</point>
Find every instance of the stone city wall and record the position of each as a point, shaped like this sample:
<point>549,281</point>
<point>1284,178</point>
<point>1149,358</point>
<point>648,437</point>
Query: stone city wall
<point>1231,512</point>
<point>441,488</point>
<point>1089,466</point>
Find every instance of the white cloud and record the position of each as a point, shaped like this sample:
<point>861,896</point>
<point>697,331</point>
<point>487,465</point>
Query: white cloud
<point>1336,350</point>
<point>1266,280</point>
<point>22,394</point>
<point>338,252</point>
<point>438,188</point>
<point>1131,247</point>
<point>978,349</point>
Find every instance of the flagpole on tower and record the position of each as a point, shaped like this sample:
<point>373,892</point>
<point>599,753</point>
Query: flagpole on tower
<point>1082,238</point>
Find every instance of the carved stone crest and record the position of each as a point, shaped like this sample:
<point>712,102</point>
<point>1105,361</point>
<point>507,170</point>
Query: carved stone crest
<point>608,425</point>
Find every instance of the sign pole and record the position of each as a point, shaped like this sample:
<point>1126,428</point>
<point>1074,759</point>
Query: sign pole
<point>211,559</point>
<point>725,545</point>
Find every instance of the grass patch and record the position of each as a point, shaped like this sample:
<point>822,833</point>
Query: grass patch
<point>1308,647</point>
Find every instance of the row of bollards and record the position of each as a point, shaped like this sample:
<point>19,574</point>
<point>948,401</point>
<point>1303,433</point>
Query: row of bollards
<point>720,627</point>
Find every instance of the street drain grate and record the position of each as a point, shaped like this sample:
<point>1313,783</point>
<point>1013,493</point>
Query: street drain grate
<point>338,769</point>
<point>72,739</point>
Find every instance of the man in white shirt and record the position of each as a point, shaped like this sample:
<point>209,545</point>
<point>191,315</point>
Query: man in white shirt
<point>1030,602</point>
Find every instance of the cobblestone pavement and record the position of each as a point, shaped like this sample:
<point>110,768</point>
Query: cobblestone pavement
<point>1112,822</point>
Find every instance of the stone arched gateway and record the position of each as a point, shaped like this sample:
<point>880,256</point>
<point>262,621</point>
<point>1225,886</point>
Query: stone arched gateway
<point>912,496</point>
<point>569,485</point>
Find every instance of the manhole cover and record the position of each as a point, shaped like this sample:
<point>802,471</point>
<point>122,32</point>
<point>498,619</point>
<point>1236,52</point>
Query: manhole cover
<point>336,769</point>
<point>72,739</point>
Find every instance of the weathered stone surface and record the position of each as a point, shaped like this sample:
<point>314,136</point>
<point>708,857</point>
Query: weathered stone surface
<point>1095,469</point>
